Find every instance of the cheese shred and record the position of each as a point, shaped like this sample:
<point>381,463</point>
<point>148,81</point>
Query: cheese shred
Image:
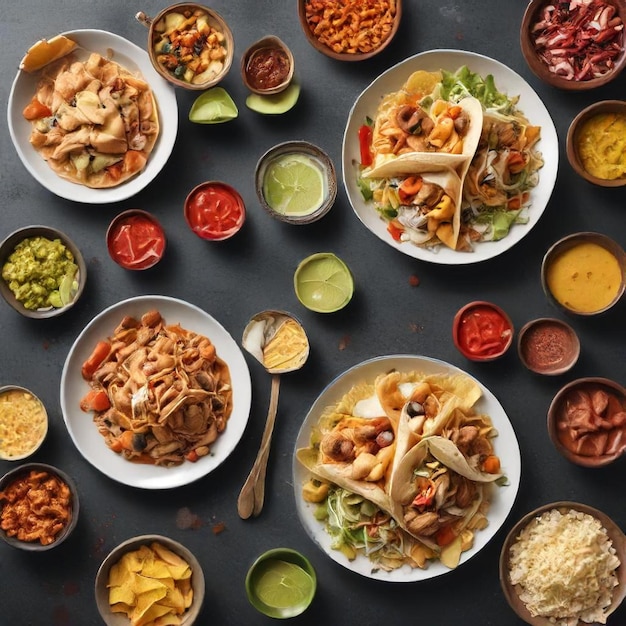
<point>565,565</point>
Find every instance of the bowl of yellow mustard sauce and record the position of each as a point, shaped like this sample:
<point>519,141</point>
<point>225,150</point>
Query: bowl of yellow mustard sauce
<point>23,423</point>
<point>596,143</point>
<point>584,273</point>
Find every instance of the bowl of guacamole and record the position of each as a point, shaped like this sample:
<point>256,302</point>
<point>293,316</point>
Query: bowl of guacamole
<point>42,271</point>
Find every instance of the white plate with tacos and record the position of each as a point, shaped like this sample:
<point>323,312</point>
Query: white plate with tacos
<point>340,509</point>
<point>502,183</point>
<point>83,176</point>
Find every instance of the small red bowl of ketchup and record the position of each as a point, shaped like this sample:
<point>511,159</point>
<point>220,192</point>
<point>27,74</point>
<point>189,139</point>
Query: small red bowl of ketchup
<point>136,240</point>
<point>482,331</point>
<point>214,211</point>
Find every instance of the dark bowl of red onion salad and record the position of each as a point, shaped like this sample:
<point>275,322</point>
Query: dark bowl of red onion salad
<point>574,44</point>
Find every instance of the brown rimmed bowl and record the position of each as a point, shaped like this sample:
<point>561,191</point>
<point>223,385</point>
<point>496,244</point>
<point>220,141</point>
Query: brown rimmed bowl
<point>24,470</point>
<point>258,52</point>
<point>215,20</point>
<point>602,446</point>
<point>134,543</point>
<point>8,246</point>
<point>341,55</point>
<point>574,138</point>
<point>511,592</point>
<point>568,243</point>
<point>540,68</point>
<point>548,346</point>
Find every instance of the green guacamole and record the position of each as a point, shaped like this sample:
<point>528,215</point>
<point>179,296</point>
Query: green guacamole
<point>41,273</point>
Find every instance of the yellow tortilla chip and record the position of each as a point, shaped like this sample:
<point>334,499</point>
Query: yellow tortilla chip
<point>121,594</point>
<point>153,613</point>
<point>168,556</point>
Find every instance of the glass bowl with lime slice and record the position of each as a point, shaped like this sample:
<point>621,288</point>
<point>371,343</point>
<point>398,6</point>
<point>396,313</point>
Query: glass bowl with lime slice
<point>323,283</point>
<point>281,583</point>
<point>296,182</point>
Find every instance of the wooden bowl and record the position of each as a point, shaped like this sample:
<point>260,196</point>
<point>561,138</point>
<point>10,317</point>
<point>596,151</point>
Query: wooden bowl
<point>511,592</point>
<point>541,69</point>
<point>560,436</point>
<point>575,135</point>
<point>570,245</point>
<point>343,52</point>
<point>217,25</point>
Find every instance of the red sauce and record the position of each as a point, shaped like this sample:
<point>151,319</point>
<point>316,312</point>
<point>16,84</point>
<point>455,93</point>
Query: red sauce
<point>136,241</point>
<point>267,68</point>
<point>214,211</point>
<point>547,346</point>
<point>483,332</point>
<point>591,421</point>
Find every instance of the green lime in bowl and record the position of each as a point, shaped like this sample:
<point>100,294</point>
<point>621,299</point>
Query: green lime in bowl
<point>323,283</point>
<point>281,583</point>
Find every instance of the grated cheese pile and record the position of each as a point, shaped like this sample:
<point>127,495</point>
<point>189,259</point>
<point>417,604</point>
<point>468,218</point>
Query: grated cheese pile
<point>23,423</point>
<point>564,564</point>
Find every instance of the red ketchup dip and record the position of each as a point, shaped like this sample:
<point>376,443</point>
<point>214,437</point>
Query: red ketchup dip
<point>482,331</point>
<point>591,420</point>
<point>578,40</point>
<point>267,68</point>
<point>135,240</point>
<point>214,211</point>
<point>548,346</point>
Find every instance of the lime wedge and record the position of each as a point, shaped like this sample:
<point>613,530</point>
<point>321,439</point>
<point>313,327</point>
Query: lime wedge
<point>294,184</point>
<point>214,106</point>
<point>323,283</point>
<point>274,104</point>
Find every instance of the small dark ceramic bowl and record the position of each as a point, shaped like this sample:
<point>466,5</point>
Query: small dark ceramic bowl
<point>601,446</point>
<point>473,331</point>
<point>319,157</point>
<point>215,20</point>
<point>568,243</point>
<point>617,107</point>
<point>214,211</point>
<point>342,54</point>
<point>548,346</point>
<point>102,578</point>
<point>24,470</point>
<point>259,568</point>
<point>131,235</point>
<point>540,68</point>
<point>29,434</point>
<point>511,592</point>
<point>256,51</point>
<point>8,246</point>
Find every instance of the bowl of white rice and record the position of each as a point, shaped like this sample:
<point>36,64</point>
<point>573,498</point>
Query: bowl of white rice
<point>564,564</point>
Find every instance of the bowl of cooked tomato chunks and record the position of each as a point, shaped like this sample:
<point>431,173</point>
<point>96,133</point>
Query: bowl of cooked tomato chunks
<point>574,45</point>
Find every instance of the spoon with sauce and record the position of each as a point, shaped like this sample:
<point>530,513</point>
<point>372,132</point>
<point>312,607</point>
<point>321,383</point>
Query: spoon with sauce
<point>278,341</point>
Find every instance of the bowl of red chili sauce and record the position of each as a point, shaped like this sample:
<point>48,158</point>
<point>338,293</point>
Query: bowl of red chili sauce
<point>574,46</point>
<point>548,346</point>
<point>214,211</point>
<point>136,240</point>
<point>587,421</point>
<point>267,66</point>
<point>482,331</point>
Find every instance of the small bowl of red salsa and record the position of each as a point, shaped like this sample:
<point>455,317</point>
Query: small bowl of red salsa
<point>267,66</point>
<point>214,211</point>
<point>482,331</point>
<point>136,240</point>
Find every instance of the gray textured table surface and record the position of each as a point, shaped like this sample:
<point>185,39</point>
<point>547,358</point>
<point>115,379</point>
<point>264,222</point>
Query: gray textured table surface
<point>254,272</point>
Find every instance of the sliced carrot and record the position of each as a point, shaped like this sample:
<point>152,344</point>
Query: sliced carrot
<point>95,360</point>
<point>192,456</point>
<point>35,110</point>
<point>445,536</point>
<point>95,400</point>
<point>491,464</point>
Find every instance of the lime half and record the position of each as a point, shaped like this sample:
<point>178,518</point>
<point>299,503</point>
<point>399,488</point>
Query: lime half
<point>323,283</point>
<point>214,106</point>
<point>294,184</point>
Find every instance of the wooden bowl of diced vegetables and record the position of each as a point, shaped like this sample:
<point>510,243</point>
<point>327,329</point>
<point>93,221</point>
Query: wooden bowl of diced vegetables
<point>190,45</point>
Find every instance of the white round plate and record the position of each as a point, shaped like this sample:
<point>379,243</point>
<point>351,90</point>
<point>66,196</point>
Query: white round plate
<point>83,431</point>
<point>507,81</point>
<point>132,58</point>
<point>505,444</point>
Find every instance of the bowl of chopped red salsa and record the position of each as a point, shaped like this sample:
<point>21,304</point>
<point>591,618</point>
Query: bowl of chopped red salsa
<point>574,45</point>
<point>136,240</point>
<point>482,331</point>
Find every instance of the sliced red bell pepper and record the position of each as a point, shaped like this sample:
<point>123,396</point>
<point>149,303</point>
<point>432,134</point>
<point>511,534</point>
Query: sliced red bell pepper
<point>365,143</point>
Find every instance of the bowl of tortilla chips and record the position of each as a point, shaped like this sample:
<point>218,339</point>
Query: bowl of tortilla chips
<point>149,579</point>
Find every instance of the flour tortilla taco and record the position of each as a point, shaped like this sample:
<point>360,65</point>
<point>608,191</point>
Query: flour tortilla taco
<point>93,121</point>
<point>417,139</point>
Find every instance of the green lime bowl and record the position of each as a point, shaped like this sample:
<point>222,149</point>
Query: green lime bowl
<point>281,583</point>
<point>323,283</point>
